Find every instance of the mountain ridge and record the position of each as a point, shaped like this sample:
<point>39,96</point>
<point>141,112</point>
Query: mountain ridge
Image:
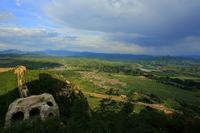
<point>67,53</point>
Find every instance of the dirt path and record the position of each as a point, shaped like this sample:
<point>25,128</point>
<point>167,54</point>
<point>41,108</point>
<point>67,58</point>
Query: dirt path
<point>5,69</point>
<point>97,95</point>
<point>160,107</point>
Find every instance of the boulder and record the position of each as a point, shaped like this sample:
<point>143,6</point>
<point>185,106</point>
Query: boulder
<point>36,106</point>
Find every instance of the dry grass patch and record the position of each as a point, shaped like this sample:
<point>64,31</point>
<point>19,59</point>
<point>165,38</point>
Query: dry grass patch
<point>101,81</point>
<point>5,69</point>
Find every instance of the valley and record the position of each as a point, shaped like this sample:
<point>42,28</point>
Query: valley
<point>107,87</point>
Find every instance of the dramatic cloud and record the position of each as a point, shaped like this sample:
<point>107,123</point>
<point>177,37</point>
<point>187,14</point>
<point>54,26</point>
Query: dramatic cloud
<point>158,18</point>
<point>188,45</point>
<point>158,27</point>
<point>40,39</point>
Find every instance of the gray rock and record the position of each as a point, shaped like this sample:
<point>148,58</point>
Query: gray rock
<point>41,106</point>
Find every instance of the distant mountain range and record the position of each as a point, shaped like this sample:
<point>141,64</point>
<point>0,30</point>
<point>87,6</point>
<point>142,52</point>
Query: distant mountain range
<point>95,55</point>
<point>12,51</point>
<point>89,54</point>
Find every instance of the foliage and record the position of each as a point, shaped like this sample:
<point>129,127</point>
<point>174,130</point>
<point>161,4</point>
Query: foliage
<point>90,114</point>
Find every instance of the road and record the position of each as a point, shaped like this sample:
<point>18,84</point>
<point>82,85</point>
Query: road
<point>160,107</point>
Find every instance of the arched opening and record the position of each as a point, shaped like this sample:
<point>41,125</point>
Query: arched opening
<point>50,104</point>
<point>18,116</point>
<point>35,113</point>
<point>50,115</point>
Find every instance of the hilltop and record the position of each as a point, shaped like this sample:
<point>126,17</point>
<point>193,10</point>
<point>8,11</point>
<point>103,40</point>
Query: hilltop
<point>109,56</point>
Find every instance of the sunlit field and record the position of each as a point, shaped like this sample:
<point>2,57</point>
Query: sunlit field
<point>103,85</point>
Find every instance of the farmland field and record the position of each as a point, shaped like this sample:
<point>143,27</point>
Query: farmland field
<point>108,88</point>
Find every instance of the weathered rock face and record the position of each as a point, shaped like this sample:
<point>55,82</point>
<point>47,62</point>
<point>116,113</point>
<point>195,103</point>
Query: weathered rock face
<point>20,72</point>
<point>66,90</point>
<point>41,106</point>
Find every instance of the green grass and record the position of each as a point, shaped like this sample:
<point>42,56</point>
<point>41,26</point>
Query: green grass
<point>187,78</point>
<point>138,84</point>
<point>8,82</point>
<point>93,102</point>
<point>9,91</point>
<point>40,81</point>
<point>164,91</point>
<point>84,84</point>
<point>138,108</point>
<point>137,117</point>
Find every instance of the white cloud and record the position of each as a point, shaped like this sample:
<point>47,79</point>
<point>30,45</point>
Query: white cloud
<point>18,2</point>
<point>123,26</point>
<point>2,46</point>
<point>41,39</point>
<point>6,16</point>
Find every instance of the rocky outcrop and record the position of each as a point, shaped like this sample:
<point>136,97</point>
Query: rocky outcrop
<point>20,72</point>
<point>35,106</point>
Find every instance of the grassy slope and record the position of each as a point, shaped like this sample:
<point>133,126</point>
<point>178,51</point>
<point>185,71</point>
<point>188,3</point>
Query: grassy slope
<point>7,82</point>
<point>134,83</point>
<point>8,86</point>
<point>164,91</point>
<point>138,84</point>
<point>49,83</point>
<point>8,89</point>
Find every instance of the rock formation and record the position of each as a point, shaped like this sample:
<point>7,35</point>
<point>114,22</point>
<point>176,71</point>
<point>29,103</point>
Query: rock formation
<point>29,107</point>
<point>22,88</point>
<point>36,106</point>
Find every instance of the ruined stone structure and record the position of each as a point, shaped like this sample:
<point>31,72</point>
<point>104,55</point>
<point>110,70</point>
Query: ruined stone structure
<point>29,107</point>
<point>36,106</point>
<point>22,88</point>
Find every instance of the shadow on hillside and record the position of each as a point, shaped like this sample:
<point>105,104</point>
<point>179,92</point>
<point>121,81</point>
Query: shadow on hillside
<point>5,101</point>
<point>110,117</point>
<point>48,84</point>
<point>56,87</point>
<point>9,62</point>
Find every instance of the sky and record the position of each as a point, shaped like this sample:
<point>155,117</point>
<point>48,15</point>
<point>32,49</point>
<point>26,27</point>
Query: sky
<point>150,27</point>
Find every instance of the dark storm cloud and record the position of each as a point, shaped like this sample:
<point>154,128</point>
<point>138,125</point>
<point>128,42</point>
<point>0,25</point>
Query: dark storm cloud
<point>163,20</point>
<point>158,27</point>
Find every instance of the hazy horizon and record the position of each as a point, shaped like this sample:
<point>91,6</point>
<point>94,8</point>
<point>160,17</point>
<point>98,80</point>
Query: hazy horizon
<point>147,27</point>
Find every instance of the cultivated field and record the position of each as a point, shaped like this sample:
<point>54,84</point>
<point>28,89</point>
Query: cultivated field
<point>110,91</point>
